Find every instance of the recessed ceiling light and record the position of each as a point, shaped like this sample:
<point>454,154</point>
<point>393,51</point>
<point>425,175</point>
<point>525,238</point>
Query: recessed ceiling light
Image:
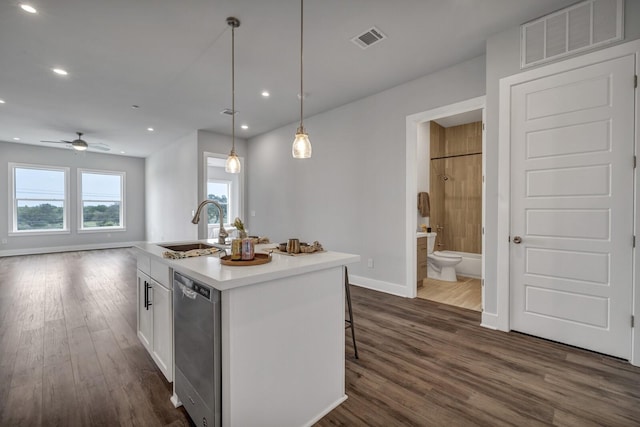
<point>265,93</point>
<point>122,152</point>
<point>2,101</point>
<point>28,8</point>
<point>60,71</point>
<point>150,129</point>
<point>16,139</point>
<point>245,127</point>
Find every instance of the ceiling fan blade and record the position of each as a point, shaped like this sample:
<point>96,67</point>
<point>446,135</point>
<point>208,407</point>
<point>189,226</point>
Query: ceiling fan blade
<point>57,142</point>
<point>99,147</point>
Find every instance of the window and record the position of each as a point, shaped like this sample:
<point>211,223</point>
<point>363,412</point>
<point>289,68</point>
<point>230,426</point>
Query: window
<point>39,199</point>
<point>101,204</point>
<point>220,191</point>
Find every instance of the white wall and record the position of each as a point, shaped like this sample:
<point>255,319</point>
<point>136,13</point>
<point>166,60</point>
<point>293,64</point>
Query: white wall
<point>175,177</point>
<point>32,154</point>
<point>351,194</point>
<point>503,59</point>
<point>172,187</point>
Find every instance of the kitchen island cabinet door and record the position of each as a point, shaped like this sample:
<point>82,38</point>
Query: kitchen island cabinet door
<point>163,330</point>
<point>145,310</point>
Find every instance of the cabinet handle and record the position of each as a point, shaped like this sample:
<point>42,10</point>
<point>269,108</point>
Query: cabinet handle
<point>147,287</point>
<point>146,294</point>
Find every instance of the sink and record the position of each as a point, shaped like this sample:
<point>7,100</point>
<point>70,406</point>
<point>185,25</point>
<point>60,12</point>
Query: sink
<point>184,247</point>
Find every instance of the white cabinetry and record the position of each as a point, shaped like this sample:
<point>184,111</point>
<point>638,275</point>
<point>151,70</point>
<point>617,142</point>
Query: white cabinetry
<point>155,312</point>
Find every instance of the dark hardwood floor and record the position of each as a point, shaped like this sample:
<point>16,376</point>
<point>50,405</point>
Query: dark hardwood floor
<point>69,353</point>
<point>69,356</point>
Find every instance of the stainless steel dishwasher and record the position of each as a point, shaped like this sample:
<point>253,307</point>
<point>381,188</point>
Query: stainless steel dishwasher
<point>196,320</point>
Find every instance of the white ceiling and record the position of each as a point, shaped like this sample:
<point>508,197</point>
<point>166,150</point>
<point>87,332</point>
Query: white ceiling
<point>172,58</point>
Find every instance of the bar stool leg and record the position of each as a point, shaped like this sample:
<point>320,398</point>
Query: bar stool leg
<point>350,321</point>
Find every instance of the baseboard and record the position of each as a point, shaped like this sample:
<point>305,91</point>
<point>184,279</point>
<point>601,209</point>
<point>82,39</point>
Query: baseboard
<point>379,285</point>
<point>326,411</point>
<point>489,320</point>
<point>71,248</point>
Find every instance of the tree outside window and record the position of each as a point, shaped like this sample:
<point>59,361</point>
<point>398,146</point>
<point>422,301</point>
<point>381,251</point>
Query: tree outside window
<point>218,190</point>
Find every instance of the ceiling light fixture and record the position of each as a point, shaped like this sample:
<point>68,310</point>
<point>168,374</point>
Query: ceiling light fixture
<point>232,165</point>
<point>59,71</point>
<point>2,101</point>
<point>265,93</point>
<point>150,129</point>
<point>301,148</point>
<point>16,138</point>
<point>245,127</point>
<point>28,8</point>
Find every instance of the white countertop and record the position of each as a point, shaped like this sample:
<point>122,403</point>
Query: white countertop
<point>209,270</point>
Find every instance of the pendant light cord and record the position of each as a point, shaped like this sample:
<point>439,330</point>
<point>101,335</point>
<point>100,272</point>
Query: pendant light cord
<point>301,69</point>
<point>233,90</point>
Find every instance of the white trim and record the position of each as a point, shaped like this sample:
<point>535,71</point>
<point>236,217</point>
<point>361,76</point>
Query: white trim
<point>325,411</point>
<point>489,320</point>
<point>12,209</point>
<point>71,248</point>
<point>379,285</point>
<point>504,177</point>
<point>202,226</point>
<point>412,123</point>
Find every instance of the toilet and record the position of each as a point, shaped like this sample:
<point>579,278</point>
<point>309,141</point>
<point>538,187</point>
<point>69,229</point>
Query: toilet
<point>440,266</point>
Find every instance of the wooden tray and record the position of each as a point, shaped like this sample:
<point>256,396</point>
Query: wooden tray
<point>259,259</point>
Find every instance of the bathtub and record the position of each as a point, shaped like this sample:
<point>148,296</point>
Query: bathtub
<point>470,266</point>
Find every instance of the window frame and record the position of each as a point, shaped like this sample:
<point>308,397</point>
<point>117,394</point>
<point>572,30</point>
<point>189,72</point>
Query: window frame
<point>13,200</point>
<point>237,190</point>
<point>81,201</point>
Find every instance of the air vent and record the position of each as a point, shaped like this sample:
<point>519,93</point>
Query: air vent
<point>369,38</point>
<point>228,112</point>
<point>580,27</point>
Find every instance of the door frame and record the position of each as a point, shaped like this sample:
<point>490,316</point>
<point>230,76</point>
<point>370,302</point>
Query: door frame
<point>504,177</point>
<point>412,124</point>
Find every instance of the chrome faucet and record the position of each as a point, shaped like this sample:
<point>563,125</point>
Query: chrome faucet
<point>222,235</point>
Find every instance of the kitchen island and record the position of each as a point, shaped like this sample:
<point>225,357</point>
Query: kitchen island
<point>282,333</point>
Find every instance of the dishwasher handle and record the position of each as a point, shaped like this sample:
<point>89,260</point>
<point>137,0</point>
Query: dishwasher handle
<point>187,292</point>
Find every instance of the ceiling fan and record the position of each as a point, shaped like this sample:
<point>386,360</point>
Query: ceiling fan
<point>80,144</point>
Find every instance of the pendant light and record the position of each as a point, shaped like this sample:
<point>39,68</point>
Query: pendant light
<point>232,165</point>
<point>301,145</point>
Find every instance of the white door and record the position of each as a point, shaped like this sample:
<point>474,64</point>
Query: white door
<point>572,160</point>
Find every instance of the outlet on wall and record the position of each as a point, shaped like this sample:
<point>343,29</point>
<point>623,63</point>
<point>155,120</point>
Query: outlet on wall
<point>370,263</point>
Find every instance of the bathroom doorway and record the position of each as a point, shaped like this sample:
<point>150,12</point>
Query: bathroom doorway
<point>455,215</point>
<point>450,147</point>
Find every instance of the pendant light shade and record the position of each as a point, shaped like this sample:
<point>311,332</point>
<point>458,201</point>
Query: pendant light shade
<point>232,165</point>
<point>301,148</point>
<point>301,145</point>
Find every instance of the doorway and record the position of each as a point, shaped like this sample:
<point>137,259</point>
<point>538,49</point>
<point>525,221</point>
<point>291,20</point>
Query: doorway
<point>422,177</point>
<point>454,168</point>
<point>225,188</point>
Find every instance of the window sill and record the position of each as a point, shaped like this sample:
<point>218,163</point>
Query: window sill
<point>101,230</point>
<point>37,233</point>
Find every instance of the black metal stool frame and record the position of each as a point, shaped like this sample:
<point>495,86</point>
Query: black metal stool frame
<point>349,322</point>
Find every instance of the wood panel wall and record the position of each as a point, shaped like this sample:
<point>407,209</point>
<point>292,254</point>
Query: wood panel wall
<point>456,203</point>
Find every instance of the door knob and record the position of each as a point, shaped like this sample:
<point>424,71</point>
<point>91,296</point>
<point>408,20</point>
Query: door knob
<point>517,240</point>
